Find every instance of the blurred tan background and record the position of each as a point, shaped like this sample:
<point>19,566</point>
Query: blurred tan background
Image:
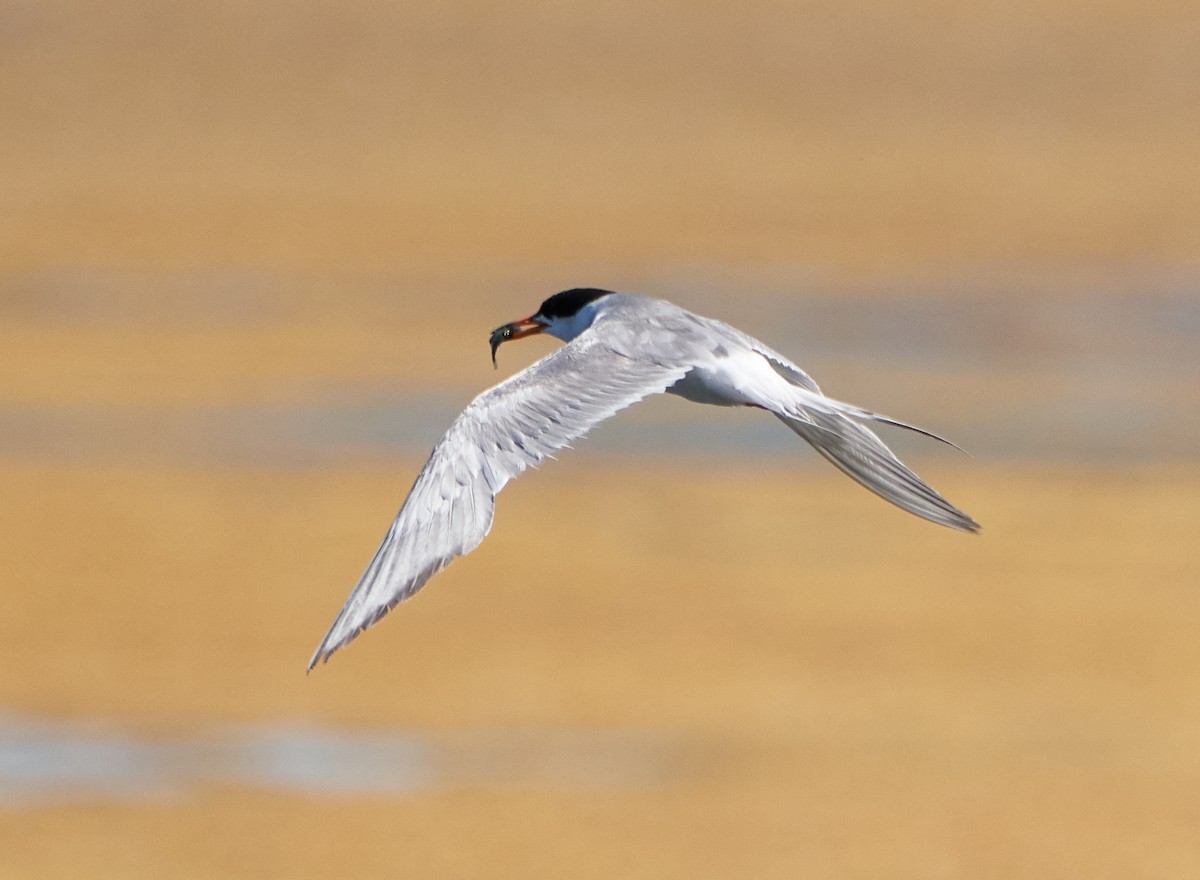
<point>249,256</point>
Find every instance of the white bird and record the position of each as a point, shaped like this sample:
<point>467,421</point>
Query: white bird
<point>620,348</point>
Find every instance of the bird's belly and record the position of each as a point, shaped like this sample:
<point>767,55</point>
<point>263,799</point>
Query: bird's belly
<point>692,387</point>
<point>718,385</point>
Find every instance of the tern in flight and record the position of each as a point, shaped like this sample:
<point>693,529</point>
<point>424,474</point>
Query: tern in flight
<point>620,348</point>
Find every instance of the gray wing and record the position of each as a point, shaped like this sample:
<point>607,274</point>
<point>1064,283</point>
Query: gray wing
<point>831,427</point>
<point>508,428</point>
<point>856,451</point>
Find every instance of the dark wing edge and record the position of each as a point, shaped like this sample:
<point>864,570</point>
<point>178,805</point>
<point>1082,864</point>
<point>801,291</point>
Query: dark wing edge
<point>512,426</point>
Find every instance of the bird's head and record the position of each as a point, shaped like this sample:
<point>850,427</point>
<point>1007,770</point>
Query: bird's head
<point>564,316</point>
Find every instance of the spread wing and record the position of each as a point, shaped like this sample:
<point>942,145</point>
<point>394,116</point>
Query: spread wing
<point>508,428</point>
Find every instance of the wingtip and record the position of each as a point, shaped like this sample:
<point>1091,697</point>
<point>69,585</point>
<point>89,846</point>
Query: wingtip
<point>949,516</point>
<point>320,657</point>
<point>971,527</point>
<point>959,520</point>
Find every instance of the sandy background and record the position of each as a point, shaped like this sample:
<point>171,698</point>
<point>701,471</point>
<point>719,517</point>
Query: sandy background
<point>867,138</point>
<point>236,239</point>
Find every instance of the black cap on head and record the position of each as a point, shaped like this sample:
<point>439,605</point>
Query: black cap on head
<point>567,303</point>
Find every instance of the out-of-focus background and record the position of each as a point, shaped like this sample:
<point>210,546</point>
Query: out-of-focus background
<point>249,258</point>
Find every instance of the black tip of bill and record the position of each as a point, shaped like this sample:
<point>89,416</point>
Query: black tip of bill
<point>499,336</point>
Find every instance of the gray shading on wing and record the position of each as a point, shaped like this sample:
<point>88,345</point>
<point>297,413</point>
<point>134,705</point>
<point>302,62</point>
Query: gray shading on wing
<point>508,428</point>
<point>832,428</point>
<point>857,452</point>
